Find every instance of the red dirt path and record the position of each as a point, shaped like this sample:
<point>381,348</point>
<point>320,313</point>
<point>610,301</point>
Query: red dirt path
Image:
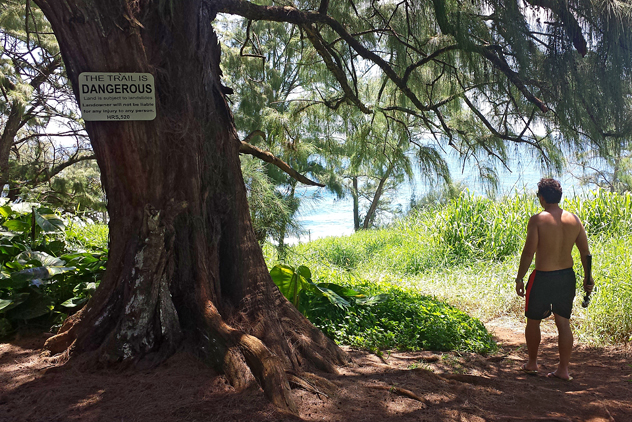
<point>421,386</point>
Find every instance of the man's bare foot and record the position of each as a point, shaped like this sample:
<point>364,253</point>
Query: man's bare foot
<point>559,377</point>
<point>525,368</point>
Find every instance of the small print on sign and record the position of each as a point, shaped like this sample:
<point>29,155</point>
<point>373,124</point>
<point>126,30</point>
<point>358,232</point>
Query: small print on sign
<point>117,96</point>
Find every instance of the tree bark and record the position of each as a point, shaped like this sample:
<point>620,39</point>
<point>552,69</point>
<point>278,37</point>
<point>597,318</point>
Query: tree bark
<point>11,128</point>
<point>184,265</point>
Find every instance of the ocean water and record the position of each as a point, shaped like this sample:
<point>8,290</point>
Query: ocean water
<point>322,215</point>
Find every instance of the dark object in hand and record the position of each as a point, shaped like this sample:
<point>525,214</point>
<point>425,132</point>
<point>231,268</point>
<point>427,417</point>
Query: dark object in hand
<point>588,277</point>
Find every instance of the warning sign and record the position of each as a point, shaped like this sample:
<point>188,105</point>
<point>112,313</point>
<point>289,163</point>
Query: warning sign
<point>117,96</point>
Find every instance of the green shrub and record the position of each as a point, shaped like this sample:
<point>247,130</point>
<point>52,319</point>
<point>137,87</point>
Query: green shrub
<point>404,321</point>
<point>42,277</point>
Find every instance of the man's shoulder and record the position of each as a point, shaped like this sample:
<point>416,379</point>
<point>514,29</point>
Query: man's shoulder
<point>570,216</point>
<point>539,216</point>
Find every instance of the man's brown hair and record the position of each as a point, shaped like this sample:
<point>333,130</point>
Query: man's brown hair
<point>550,190</point>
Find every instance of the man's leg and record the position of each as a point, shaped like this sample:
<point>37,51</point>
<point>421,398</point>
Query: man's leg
<point>532,335</point>
<point>565,346</point>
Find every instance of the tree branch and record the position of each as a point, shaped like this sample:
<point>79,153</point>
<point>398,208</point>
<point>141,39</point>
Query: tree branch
<point>315,38</point>
<point>293,15</point>
<point>74,160</point>
<point>572,27</point>
<point>324,5</point>
<point>486,51</point>
<point>268,157</point>
<point>241,51</point>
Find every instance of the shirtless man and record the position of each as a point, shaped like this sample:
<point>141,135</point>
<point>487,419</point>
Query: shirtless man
<point>551,235</point>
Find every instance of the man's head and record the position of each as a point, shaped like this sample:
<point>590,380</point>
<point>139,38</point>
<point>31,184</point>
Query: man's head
<point>550,191</point>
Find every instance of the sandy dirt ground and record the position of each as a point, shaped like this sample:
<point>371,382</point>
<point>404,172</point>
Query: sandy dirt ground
<point>423,386</point>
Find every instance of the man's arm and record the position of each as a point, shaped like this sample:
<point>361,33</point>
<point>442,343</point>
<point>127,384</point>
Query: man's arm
<point>582,245</point>
<point>530,246</point>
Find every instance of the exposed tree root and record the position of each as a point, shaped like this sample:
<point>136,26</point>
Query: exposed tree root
<point>401,392</point>
<point>267,368</point>
<point>65,337</point>
<point>468,379</point>
<point>312,383</point>
<point>523,419</point>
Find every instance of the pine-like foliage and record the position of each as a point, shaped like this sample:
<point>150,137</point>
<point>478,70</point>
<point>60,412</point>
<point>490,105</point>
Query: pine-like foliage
<point>40,131</point>
<point>481,77</point>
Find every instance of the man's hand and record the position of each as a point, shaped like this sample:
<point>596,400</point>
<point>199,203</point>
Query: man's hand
<point>589,285</point>
<point>520,288</point>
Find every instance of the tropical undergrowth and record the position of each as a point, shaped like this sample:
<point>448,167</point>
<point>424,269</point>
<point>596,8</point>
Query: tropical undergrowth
<point>466,253</point>
<point>377,316</point>
<point>49,265</point>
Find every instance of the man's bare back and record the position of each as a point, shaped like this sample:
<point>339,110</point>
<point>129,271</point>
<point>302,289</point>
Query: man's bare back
<point>556,232</point>
<point>551,235</point>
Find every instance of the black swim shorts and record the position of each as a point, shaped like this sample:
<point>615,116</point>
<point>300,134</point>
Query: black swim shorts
<point>550,291</point>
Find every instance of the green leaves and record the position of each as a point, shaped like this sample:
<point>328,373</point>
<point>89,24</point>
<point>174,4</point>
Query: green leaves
<point>48,222</point>
<point>297,286</point>
<point>82,291</point>
<point>402,319</point>
<point>19,218</point>
<point>17,226</point>
<point>4,303</point>
<point>41,278</point>
<point>290,281</point>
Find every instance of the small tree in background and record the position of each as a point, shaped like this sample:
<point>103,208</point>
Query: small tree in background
<point>41,134</point>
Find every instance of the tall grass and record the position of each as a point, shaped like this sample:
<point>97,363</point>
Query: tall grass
<point>467,253</point>
<point>87,236</point>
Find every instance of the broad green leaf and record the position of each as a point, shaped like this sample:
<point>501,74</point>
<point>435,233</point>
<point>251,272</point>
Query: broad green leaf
<point>4,303</point>
<point>304,272</point>
<point>30,275</point>
<point>288,281</point>
<point>333,297</point>
<point>14,265</point>
<point>17,226</point>
<point>14,301</point>
<point>74,302</point>
<point>43,258</point>
<point>55,247</point>
<point>372,300</point>
<point>341,290</point>
<point>6,211</point>
<point>35,306</point>
<point>48,222</point>
<point>85,287</point>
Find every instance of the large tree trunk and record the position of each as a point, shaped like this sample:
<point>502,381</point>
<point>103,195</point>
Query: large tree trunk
<point>184,264</point>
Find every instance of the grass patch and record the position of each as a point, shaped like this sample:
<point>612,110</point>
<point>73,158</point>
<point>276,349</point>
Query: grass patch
<point>86,236</point>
